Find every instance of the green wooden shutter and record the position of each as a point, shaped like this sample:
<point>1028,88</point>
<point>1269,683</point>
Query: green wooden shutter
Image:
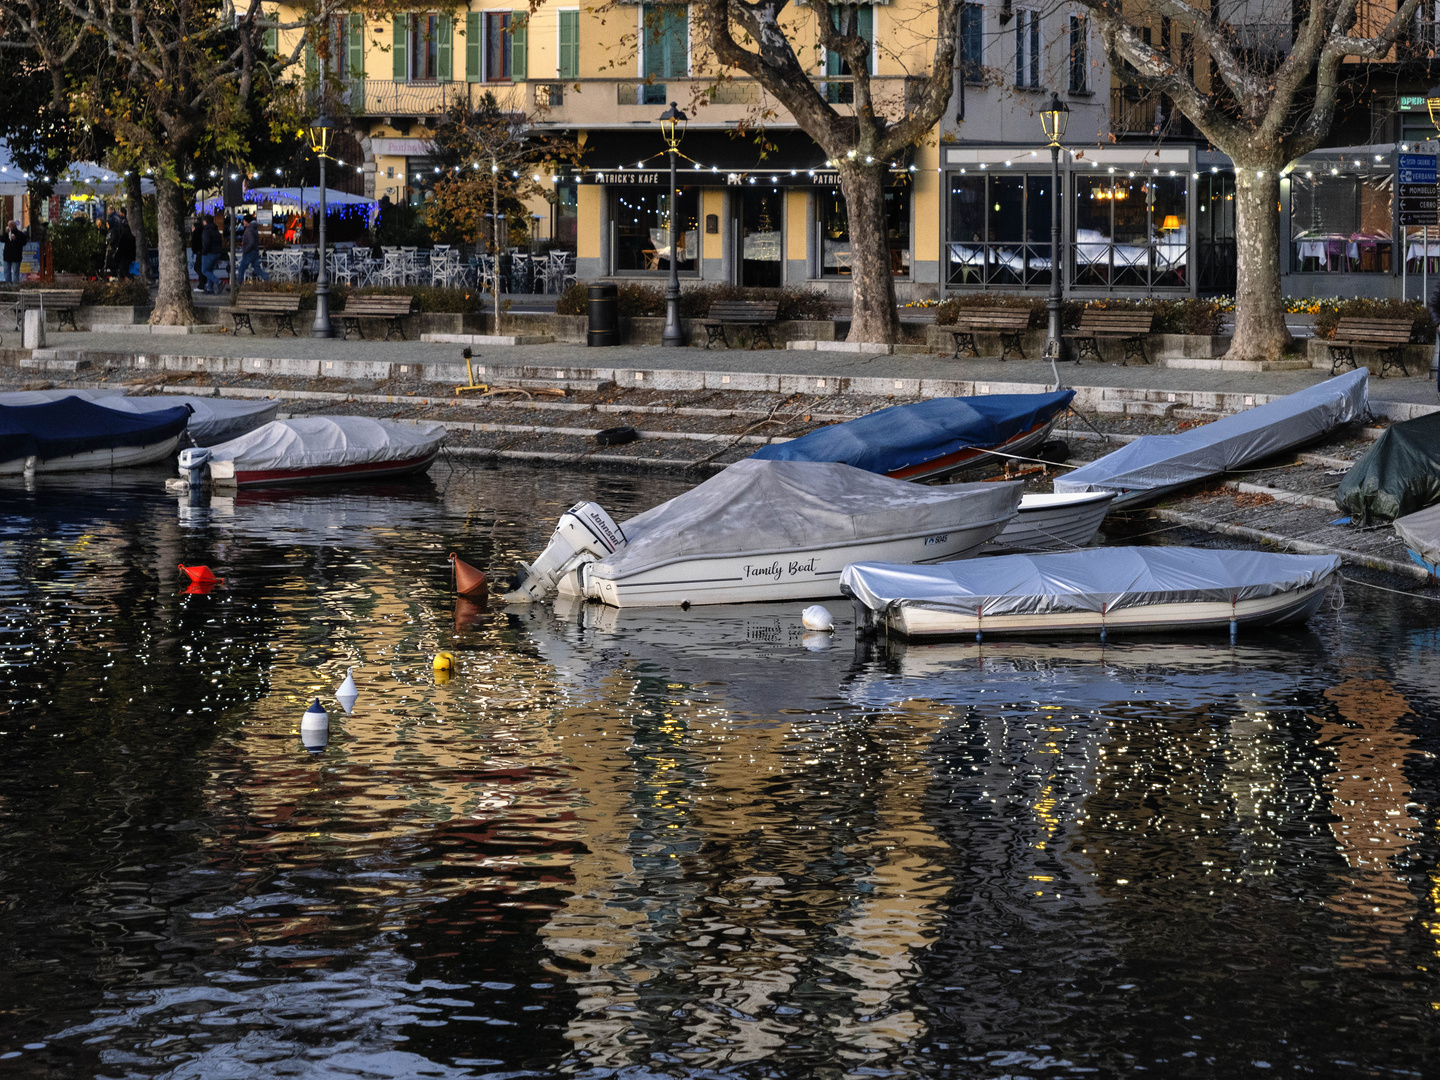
<point>832,59</point>
<point>356,44</point>
<point>568,65</point>
<point>474,47</point>
<point>311,67</point>
<point>272,41</point>
<point>652,19</point>
<point>519,56</point>
<point>865,26</point>
<point>399,46</point>
<point>677,33</point>
<point>442,51</point>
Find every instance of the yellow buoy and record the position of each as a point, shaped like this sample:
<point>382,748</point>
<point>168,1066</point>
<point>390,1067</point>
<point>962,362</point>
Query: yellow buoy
<point>444,665</point>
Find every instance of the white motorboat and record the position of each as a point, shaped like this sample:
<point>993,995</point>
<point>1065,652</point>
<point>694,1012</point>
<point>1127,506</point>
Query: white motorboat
<point>1054,522</point>
<point>321,449</point>
<point>761,531</point>
<point>1154,465</point>
<point>1159,589</point>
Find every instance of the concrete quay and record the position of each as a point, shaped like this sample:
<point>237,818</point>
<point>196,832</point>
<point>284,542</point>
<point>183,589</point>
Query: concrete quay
<point>1137,390</point>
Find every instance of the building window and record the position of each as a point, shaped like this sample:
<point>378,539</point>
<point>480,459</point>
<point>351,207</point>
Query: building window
<point>567,62</point>
<point>1131,232</point>
<point>833,222</point>
<point>1079,61</point>
<point>1341,223</point>
<point>1000,230</point>
<point>1027,49</point>
<point>640,217</point>
<point>665,29</point>
<point>972,42</point>
<point>843,93</point>
<point>425,47</point>
<point>564,220</point>
<point>497,46</point>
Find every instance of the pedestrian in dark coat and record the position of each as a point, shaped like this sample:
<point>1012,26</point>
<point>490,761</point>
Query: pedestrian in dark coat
<point>15,241</point>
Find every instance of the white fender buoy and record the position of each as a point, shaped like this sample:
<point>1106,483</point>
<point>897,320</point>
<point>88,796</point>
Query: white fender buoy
<point>315,728</point>
<point>817,617</point>
<point>347,693</point>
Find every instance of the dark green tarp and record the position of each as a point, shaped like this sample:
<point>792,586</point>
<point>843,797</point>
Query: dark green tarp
<point>1400,474</point>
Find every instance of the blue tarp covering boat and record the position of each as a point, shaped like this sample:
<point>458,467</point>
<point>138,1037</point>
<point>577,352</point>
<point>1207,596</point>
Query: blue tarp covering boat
<point>74,434</point>
<point>930,438</point>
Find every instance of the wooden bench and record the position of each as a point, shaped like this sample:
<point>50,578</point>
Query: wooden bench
<point>1009,323</point>
<point>61,301</point>
<point>282,305</point>
<point>1128,327</point>
<point>1387,336</point>
<point>390,308</point>
<point>759,315</point>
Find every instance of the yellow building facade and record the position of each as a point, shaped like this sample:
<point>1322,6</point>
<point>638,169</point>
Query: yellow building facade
<point>968,209</point>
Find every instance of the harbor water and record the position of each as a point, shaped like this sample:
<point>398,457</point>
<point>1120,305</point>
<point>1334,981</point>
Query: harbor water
<point>701,843</point>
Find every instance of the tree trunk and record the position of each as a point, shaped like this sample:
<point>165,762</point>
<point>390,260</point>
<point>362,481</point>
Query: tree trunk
<point>172,299</point>
<point>1260,331</point>
<point>872,282</point>
<point>135,218</point>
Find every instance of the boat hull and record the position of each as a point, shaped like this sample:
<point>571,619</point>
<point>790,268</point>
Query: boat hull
<point>810,574</point>
<point>1291,606</point>
<point>328,474</point>
<point>119,457</point>
<point>972,457</point>
<point>1054,522</point>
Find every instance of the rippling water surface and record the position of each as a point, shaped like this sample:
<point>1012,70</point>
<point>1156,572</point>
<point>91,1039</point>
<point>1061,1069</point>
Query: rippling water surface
<point>699,844</point>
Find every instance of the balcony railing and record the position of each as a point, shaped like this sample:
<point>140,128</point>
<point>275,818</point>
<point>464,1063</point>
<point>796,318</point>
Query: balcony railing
<point>1131,113</point>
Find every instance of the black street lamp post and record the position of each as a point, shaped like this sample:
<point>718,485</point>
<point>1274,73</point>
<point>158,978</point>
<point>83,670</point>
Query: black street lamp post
<point>321,131</point>
<point>672,125</point>
<point>1054,120</point>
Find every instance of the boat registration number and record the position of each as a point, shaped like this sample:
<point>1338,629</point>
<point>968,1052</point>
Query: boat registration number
<point>941,539</point>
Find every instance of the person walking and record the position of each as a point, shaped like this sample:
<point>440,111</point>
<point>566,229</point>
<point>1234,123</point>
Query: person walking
<point>15,240</point>
<point>212,246</point>
<point>197,248</point>
<point>124,242</point>
<point>250,251</point>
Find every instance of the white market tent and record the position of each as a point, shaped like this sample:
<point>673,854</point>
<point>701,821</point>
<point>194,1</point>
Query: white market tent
<point>87,178</point>
<point>304,198</point>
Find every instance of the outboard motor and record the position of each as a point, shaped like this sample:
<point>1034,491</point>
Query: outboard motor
<point>584,533</point>
<point>192,464</point>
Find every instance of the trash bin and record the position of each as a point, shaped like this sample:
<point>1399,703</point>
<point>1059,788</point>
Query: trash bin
<point>604,311</point>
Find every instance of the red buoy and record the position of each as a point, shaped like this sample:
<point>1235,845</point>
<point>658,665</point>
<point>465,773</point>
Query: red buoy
<point>468,580</point>
<point>200,575</point>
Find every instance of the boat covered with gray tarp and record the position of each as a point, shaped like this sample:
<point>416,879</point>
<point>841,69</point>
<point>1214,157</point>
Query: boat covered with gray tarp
<point>1099,589</point>
<point>1155,464</point>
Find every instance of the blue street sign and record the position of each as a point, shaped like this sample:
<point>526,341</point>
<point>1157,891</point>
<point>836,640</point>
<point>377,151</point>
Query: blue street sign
<point>1417,169</point>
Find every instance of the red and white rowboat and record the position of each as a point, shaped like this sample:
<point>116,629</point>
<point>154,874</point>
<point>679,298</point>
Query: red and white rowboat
<point>323,449</point>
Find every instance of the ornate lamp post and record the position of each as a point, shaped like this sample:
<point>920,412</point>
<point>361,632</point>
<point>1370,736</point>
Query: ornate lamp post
<point>1054,120</point>
<point>672,126</point>
<point>321,131</point>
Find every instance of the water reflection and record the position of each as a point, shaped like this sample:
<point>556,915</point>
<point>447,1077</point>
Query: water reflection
<point>649,843</point>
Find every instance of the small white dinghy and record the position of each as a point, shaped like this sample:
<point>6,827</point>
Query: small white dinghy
<point>1152,589</point>
<point>760,531</point>
<point>1054,522</point>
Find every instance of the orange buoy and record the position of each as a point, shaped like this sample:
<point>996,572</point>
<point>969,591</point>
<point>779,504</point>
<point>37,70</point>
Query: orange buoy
<point>467,612</point>
<point>468,580</point>
<point>200,575</point>
<point>199,588</point>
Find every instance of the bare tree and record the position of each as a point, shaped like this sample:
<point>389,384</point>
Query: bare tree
<point>1270,98</point>
<point>760,41</point>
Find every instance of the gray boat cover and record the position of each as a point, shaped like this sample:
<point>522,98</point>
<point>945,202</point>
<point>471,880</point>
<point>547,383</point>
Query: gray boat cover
<point>1093,580</point>
<point>1421,533</point>
<point>213,420</point>
<point>40,397</point>
<point>756,506</point>
<point>1154,463</point>
<point>312,442</point>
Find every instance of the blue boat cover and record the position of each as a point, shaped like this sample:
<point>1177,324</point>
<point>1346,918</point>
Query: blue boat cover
<point>73,425</point>
<point>906,435</point>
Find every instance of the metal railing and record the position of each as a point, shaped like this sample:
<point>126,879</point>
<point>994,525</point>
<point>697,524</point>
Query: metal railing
<point>1106,265</point>
<point>1131,112</point>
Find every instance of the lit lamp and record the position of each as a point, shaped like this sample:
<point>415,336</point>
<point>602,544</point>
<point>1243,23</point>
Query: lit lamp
<point>1054,120</point>
<point>672,126</point>
<point>321,131</point>
<point>1432,104</point>
<point>1171,222</point>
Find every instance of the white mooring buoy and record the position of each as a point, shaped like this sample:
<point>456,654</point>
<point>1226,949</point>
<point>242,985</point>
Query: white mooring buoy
<point>817,617</point>
<point>347,693</point>
<point>315,728</point>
